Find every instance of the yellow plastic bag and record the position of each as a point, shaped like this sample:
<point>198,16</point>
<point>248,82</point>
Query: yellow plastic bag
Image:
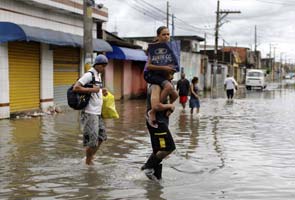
<point>108,107</point>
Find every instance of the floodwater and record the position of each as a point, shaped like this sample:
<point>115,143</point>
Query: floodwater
<point>239,150</point>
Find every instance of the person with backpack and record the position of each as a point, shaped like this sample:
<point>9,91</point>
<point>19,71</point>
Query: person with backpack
<point>230,85</point>
<point>92,125</point>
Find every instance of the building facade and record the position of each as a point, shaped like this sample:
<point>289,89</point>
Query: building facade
<point>124,74</point>
<point>41,52</point>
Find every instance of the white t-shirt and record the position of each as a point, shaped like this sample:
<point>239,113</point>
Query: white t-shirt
<point>230,83</point>
<point>95,102</point>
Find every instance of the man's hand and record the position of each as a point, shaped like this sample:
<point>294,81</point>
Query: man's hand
<point>170,111</point>
<point>95,89</point>
<point>104,92</point>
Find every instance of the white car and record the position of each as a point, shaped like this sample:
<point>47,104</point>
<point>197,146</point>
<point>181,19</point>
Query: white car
<point>255,78</point>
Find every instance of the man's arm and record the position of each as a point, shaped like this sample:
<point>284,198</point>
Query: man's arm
<point>177,85</point>
<point>193,92</point>
<point>187,84</point>
<point>78,87</point>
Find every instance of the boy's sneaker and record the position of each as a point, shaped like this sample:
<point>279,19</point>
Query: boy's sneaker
<point>158,171</point>
<point>150,174</point>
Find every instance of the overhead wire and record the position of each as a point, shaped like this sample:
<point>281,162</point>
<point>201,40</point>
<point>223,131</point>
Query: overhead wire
<point>277,3</point>
<point>152,11</point>
<point>144,11</point>
<point>151,6</point>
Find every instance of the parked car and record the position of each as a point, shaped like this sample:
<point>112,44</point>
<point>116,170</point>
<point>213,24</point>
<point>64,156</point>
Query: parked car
<point>289,76</point>
<point>255,78</point>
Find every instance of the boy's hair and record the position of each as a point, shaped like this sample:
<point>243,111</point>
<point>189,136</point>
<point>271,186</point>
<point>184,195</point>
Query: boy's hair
<point>160,29</point>
<point>195,79</point>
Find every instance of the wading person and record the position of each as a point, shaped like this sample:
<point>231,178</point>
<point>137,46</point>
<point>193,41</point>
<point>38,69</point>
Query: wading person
<point>194,101</point>
<point>159,70</point>
<point>183,87</point>
<point>161,139</point>
<point>230,85</point>
<point>92,125</point>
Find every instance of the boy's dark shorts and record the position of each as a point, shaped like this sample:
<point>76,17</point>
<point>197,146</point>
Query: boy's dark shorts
<point>157,77</point>
<point>161,138</point>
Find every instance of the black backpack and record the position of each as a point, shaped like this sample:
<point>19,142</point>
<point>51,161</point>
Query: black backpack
<point>79,101</point>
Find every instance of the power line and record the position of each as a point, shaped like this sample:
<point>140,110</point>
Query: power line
<point>159,15</point>
<point>195,27</point>
<point>277,3</point>
<point>144,11</point>
<point>152,6</point>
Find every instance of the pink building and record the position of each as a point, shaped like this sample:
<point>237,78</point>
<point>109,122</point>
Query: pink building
<point>124,74</point>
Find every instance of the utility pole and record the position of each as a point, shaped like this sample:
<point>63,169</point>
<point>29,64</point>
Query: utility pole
<point>205,61</point>
<point>167,15</point>
<point>255,40</point>
<point>223,45</point>
<point>270,61</point>
<point>87,26</point>
<point>220,15</point>
<point>274,61</point>
<point>281,64</point>
<point>255,48</point>
<point>173,26</point>
<point>205,45</point>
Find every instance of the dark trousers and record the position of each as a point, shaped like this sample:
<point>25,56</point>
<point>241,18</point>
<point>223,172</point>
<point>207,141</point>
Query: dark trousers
<point>230,93</point>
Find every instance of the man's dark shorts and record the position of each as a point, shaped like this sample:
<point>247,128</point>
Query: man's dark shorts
<point>230,93</point>
<point>156,77</point>
<point>161,138</point>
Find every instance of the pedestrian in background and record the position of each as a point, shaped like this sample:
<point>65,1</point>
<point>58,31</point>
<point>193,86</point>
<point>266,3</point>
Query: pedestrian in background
<point>92,125</point>
<point>183,88</point>
<point>194,101</point>
<point>230,85</point>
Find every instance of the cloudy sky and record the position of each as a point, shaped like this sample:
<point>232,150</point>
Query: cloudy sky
<point>275,21</point>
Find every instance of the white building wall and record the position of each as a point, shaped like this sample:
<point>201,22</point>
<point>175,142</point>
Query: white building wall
<point>76,7</point>
<point>208,77</point>
<point>43,18</point>
<point>4,82</point>
<point>191,62</point>
<point>46,77</point>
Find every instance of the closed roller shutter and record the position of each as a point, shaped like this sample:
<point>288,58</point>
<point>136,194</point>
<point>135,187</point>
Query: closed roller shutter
<point>66,71</point>
<point>118,79</point>
<point>24,76</point>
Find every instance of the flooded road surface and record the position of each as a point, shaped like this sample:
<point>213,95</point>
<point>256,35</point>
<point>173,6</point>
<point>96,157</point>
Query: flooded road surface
<point>241,150</point>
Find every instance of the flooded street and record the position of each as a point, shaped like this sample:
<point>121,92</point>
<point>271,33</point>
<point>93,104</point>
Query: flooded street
<point>242,150</point>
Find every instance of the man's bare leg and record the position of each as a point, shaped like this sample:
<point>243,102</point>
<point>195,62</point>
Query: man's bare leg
<point>90,152</point>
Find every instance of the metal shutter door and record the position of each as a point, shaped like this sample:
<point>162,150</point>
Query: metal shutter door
<point>66,71</point>
<point>24,76</point>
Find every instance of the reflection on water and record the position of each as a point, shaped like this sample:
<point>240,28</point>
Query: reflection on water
<point>239,150</point>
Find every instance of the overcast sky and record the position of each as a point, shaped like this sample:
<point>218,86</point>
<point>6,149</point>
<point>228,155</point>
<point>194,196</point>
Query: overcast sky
<point>275,21</point>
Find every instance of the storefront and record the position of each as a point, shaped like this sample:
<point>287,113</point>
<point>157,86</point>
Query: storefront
<point>37,66</point>
<point>24,76</point>
<point>124,74</point>
<point>66,61</point>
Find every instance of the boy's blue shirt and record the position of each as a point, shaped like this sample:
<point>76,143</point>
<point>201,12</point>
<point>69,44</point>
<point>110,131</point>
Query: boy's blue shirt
<point>167,53</point>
